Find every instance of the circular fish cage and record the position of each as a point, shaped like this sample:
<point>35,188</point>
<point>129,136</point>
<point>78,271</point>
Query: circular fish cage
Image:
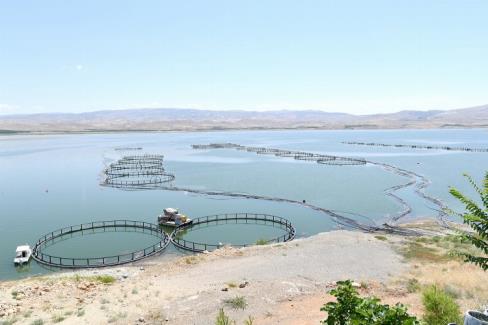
<point>101,261</point>
<point>137,172</point>
<point>229,218</point>
<point>134,182</point>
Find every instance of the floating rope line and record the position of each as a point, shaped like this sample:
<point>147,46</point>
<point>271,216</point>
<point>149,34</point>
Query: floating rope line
<point>420,182</point>
<point>297,155</point>
<point>416,146</point>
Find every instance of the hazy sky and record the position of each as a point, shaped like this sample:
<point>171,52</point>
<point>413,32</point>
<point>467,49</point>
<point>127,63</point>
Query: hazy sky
<point>349,56</point>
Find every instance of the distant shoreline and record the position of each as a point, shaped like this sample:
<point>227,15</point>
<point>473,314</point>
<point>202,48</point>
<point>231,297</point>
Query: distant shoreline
<point>179,130</point>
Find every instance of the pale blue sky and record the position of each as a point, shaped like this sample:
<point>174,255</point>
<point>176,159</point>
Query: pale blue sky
<point>348,56</point>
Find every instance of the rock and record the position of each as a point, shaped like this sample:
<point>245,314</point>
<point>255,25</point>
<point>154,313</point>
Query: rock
<point>141,268</point>
<point>166,319</point>
<point>356,285</point>
<point>142,320</point>
<point>125,275</point>
<point>243,285</point>
<point>225,289</point>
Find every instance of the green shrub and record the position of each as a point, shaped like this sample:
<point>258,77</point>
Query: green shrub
<point>440,308</point>
<point>261,242</point>
<point>239,302</point>
<point>476,217</point>
<point>351,309</point>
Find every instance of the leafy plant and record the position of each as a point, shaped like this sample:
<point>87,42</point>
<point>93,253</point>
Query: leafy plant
<point>440,308</point>
<point>351,309</point>
<point>261,242</point>
<point>477,218</point>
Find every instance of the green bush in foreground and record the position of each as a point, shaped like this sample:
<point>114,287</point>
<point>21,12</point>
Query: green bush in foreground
<point>351,309</point>
<point>440,308</point>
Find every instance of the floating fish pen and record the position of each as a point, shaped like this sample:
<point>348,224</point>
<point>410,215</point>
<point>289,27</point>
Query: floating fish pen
<point>235,218</point>
<point>137,172</point>
<point>128,148</point>
<point>415,146</point>
<point>100,261</point>
<point>297,155</point>
<point>215,146</point>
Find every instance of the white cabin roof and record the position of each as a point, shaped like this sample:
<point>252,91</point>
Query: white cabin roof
<point>23,248</point>
<point>170,210</point>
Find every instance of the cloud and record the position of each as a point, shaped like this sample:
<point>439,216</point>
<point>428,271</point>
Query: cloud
<point>79,67</point>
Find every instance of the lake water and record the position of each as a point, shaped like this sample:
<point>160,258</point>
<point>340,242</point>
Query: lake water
<point>51,181</point>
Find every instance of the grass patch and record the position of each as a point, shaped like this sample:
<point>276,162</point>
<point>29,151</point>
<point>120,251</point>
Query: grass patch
<point>8,321</point>
<point>418,251</point>
<point>381,237</point>
<point>232,285</point>
<point>105,279</point>
<point>191,259</point>
<point>238,302</point>
<point>249,321</point>
<point>135,291</point>
<point>116,317</point>
<point>104,301</point>
<point>413,285</point>
<point>57,318</point>
<point>261,242</point>
<point>37,322</point>
<point>27,314</point>
<point>223,319</point>
<point>80,312</point>
<point>15,294</point>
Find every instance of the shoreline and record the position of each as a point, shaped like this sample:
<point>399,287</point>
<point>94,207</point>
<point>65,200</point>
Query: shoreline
<point>183,288</point>
<point>196,130</point>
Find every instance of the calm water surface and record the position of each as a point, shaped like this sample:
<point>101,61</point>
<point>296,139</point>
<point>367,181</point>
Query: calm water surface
<point>48,182</point>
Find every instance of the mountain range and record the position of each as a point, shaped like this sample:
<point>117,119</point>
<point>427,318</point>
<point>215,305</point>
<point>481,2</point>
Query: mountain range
<point>172,119</point>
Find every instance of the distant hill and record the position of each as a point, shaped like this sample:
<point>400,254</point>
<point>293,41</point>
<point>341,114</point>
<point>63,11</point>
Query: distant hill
<point>171,119</point>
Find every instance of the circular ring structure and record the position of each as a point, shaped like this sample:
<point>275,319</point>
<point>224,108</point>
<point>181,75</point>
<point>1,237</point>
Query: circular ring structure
<point>155,181</point>
<point>266,219</point>
<point>137,172</point>
<point>94,262</point>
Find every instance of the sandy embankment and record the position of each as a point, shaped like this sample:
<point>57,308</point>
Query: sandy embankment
<point>287,284</point>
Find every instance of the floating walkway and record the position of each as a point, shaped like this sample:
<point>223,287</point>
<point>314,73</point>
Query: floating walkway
<point>416,146</point>
<point>94,262</point>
